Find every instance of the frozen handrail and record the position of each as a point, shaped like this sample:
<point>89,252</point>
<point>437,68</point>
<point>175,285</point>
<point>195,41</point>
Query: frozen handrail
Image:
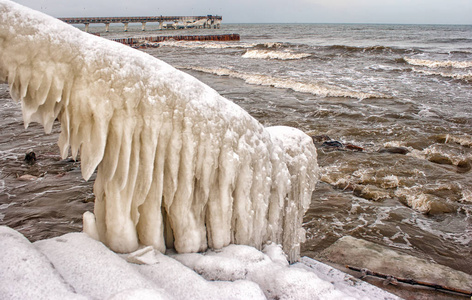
<point>177,164</point>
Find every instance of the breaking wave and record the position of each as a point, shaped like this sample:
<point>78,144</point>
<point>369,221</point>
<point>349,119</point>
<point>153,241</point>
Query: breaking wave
<point>317,89</point>
<point>218,45</point>
<point>367,49</point>
<point>268,54</point>
<point>464,76</point>
<point>443,155</point>
<point>269,45</point>
<point>464,140</point>
<point>438,64</point>
<point>207,45</point>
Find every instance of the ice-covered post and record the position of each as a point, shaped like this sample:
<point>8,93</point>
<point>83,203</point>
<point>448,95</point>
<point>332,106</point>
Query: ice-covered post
<point>177,164</point>
<point>87,27</point>
<point>107,27</point>
<point>143,27</point>
<point>126,26</point>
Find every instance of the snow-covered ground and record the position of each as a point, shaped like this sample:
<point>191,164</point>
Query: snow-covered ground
<point>75,266</point>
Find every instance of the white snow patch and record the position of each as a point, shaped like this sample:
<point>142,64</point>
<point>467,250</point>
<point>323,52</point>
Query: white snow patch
<point>75,266</point>
<point>91,268</point>
<point>26,273</point>
<point>278,281</point>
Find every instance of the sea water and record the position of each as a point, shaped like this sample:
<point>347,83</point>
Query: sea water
<point>369,87</point>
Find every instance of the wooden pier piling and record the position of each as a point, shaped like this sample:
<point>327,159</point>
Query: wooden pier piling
<point>157,39</point>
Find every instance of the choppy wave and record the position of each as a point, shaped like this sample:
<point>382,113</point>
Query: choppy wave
<point>458,76</point>
<point>438,64</point>
<point>206,44</point>
<point>268,54</point>
<point>424,198</point>
<point>317,89</point>
<point>461,140</point>
<point>367,49</point>
<point>219,45</point>
<point>445,155</point>
<point>376,184</point>
<point>269,45</point>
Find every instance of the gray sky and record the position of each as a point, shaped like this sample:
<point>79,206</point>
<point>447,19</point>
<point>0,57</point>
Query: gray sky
<point>272,11</point>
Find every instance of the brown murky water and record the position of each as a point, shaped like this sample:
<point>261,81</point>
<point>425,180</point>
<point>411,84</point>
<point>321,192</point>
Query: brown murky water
<point>43,199</point>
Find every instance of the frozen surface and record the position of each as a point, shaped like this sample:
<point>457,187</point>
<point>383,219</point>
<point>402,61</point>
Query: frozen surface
<point>26,273</point>
<point>178,166</point>
<point>276,278</point>
<point>91,268</point>
<point>346,283</point>
<point>76,266</point>
<point>184,283</point>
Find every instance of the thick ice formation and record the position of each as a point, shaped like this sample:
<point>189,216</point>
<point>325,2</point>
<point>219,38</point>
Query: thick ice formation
<point>178,165</point>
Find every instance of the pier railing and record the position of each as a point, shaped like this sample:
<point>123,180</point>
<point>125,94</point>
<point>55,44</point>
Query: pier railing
<point>104,20</point>
<point>208,21</point>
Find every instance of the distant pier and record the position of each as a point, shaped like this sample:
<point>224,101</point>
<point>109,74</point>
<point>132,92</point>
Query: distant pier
<point>174,22</point>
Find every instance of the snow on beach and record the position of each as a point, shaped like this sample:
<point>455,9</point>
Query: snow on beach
<point>75,266</point>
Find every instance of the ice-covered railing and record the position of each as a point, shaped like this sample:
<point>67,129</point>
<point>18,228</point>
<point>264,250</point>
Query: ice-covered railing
<point>178,165</point>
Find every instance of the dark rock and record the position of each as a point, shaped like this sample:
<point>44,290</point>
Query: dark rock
<point>440,159</point>
<point>395,150</point>
<point>464,166</point>
<point>30,157</point>
<point>332,144</point>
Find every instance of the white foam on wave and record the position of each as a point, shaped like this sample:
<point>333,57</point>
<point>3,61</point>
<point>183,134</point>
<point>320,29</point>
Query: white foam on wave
<point>466,196</point>
<point>463,238</point>
<point>464,76</point>
<point>217,45</point>
<point>438,64</point>
<point>390,144</point>
<point>441,153</point>
<point>415,198</point>
<point>434,198</point>
<point>464,140</point>
<point>314,88</point>
<point>399,235</point>
<point>390,182</point>
<point>268,54</point>
<point>271,45</point>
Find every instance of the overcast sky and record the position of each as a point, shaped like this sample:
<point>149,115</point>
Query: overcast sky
<point>272,11</point>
